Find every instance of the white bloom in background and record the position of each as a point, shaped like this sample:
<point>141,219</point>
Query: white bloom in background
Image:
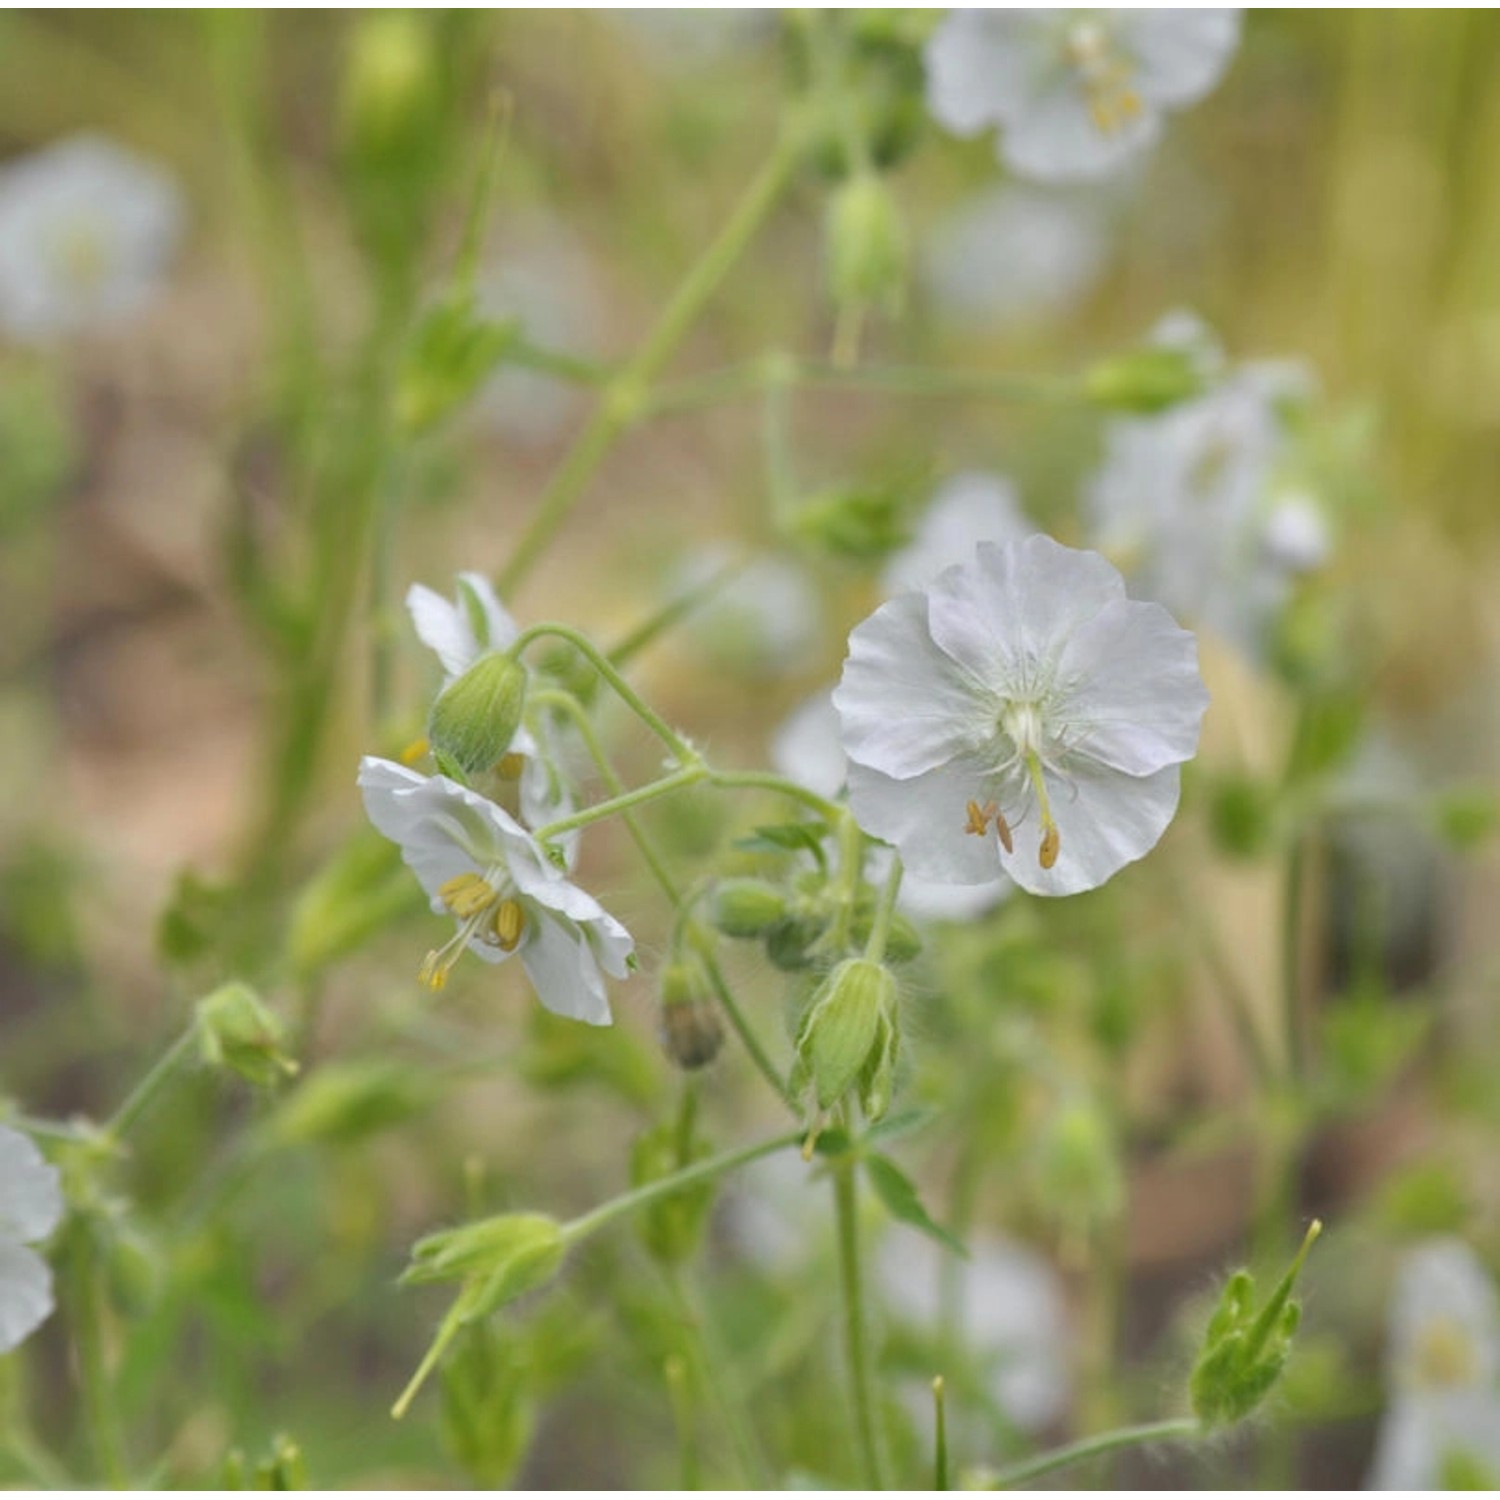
<point>1186,502</point>
<point>479,865</point>
<point>1015,257</point>
<point>31,1206</point>
<point>460,631</point>
<point>1009,1314</point>
<point>966,510</point>
<point>87,231</point>
<point>807,749</point>
<point>1074,93</point>
<point>1443,1364</point>
<point>1021,688</point>
<point>762,620</point>
<point>686,40</point>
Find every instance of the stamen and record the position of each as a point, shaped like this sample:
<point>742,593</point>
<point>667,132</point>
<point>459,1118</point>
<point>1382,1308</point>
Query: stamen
<point>509,920</point>
<point>1002,828</point>
<point>979,817</point>
<point>510,766</point>
<point>414,752</point>
<point>1051,838</point>
<point>1051,843</point>
<point>467,895</point>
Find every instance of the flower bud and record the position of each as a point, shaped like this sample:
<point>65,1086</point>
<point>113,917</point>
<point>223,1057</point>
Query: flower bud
<point>866,245</point>
<point>902,940</point>
<point>391,82</point>
<point>746,908</point>
<point>1145,380</point>
<point>846,1036</point>
<point>489,1407</point>
<point>864,524</point>
<point>692,1031</point>
<point>1245,1350</point>
<point>1079,1165</point>
<point>789,943</point>
<point>237,1031</point>
<point>476,716</point>
<point>503,1257</point>
<point>451,354</point>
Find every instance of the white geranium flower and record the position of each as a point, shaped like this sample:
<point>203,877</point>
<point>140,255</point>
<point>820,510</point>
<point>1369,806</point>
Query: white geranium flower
<point>479,865</point>
<point>1022,687</point>
<point>1443,1364</point>
<point>807,749</point>
<point>966,510</point>
<point>1016,256</point>
<point>87,230</point>
<point>1074,93</point>
<point>1010,1314</point>
<point>31,1206</point>
<point>460,631</point>
<point>1185,500</point>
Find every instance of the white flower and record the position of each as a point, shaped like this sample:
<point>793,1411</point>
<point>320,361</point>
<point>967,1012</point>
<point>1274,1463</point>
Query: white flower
<point>479,865</point>
<point>1009,1312</point>
<point>1073,92</point>
<point>1021,685</point>
<point>1016,256</point>
<point>807,749</point>
<point>87,230</point>
<point>1443,1363</point>
<point>966,510</point>
<point>1185,500</point>
<point>462,630</point>
<point>31,1206</point>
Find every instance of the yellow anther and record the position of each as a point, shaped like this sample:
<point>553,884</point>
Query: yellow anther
<point>509,920</point>
<point>1002,828</point>
<point>434,970</point>
<point>979,817</point>
<point>414,751</point>
<point>466,895</point>
<point>1446,1355</point>
<point>1051,843</point>
<point>510,766</point>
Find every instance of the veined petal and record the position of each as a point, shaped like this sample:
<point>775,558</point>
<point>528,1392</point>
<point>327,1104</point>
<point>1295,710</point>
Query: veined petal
<point>31,1201</point>
<point>807,748</point>
<point>1130,692</point>
<point>967,509</point>
<point>25,1293</point>
<point>444,627</point>
<point>477,597</point>
<point>904,705</point>
<point>563,971</point>
<point>1180,54</point>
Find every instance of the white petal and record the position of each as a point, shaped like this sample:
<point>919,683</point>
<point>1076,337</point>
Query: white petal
<point>924,817</point>
<point>1006,617</point>
<point>1180,54</point>
<point>1057,140</point>
<point>25,1293</point>
<point>806,748</point>
<point>906,707</point>
<point>477,595</point>
<point>1134,698</point>
<point>1105,820</point>
<point>942,901</point>
<point>444,627</point>
<point>979,67</point>
<point>1443,1285</point>
<point>563,971</point>
<point>967,509</point>
<point>31,1201</point>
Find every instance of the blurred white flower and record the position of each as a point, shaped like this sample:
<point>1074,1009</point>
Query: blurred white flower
<point>31,1206</point>
<point>1443,1363</point>
<point>479,865</point>
<point>1022,683</point>
<point>87,230</point>
<point>1074,93</point>
<point>966,510</point>
<point>807,749</point>
<point>685,40</point>
<point>762,621</point>
<point>1016,256</point>
<point>1009,1312</point>
<point>1186,502</point>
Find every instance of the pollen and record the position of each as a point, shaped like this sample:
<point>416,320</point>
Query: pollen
<point>510,766</point>
<point>509,921</point>
<point>414,751</point>
<point>1002,832</point>
<point>466,895</point>
<point>979,817</point>
<point>1051,843</point>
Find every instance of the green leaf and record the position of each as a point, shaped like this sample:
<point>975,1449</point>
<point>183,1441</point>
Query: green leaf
<point>896,1190</point>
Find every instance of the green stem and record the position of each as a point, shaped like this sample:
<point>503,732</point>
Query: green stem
<point>680,1396</point>
<point>940,1434</point>
<point>1174,1429</point>
<point>687,776</point>
<point>622,404</point>
<point>881,927</point>
<point>38,1464</point>
<point>1291,955</point>
<point>93,1367</point>
<point>856,1344</point>
<point>146,1090</point>
<point>700,1171</point>
<point>636,640</point>
<point>741,1027</point>
<point>768,781</point>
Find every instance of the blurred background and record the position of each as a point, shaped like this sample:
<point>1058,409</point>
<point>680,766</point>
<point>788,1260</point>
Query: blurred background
<point>200,641</point>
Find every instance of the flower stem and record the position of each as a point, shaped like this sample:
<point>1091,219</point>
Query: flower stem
<point>748,1039</point>
<point>93,1366</point>
<point>856,1343</point>
<point>940,1434</point>
<point>1174,1429</point>
<point>622,402</point>
<point>770,782</point>
<point>687,776</point>
<point>146,1090</point>
<point>881,927</point>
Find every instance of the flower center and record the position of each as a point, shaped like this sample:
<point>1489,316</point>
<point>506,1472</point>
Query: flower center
<point>487,909</point>
<point>1445,1355</point>
<point>83,254</point>
<point>1105,75</point>
<point>1020,721</point>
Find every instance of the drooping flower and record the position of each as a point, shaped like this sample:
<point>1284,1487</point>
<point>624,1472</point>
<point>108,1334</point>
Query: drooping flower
<point>967,509</point>
<point>1443,1364</point>
<point>479,866</point>
<point>1074,93</point>
<point>1187,501</point>
<point>87,230</point>
<point>1016,256</point>
<point>1020,688</point>
<point>31,1206</point>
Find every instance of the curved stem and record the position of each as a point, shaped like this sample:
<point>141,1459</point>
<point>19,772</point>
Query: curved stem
<point>687,776</point>
<point>146,1090</point>
<point>741,1026</point>
<point>1174,1429</point>
<point>768,781</point>
<point>856,1343</point>
<point>881,927</point>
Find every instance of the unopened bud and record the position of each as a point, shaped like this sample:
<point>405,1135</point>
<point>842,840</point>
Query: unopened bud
<point>846,1033</point>
<point>237,1031</point>
<point>507,1255</point>
<point>1145,380</point>
<point>476,716</point>
<point>866,245</point>
<point>691,1029</point>
<point>746,908</point>
<point>391,81</point>
<point>865,524</point>
<point>451,354</point>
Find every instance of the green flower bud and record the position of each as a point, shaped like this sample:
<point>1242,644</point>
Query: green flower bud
<point>1244,1351</point>
<point>746,908</point>
<point>1079,1165</point>
<point>237,1031</point>
<point>846,1035</point>
<point>877,1079</point>
<point>863,524</point>
<point>1145,380</point>
<point>866,245</point>
<point>502,1258</point>
<point>476,717</point>
<point>489,1411</point>
<point>671,1227</point>
<point>451,354</point>
<point>902,940</point>
<point>692,1031</point>
<point>789,943</point>
<point>391,82</point>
